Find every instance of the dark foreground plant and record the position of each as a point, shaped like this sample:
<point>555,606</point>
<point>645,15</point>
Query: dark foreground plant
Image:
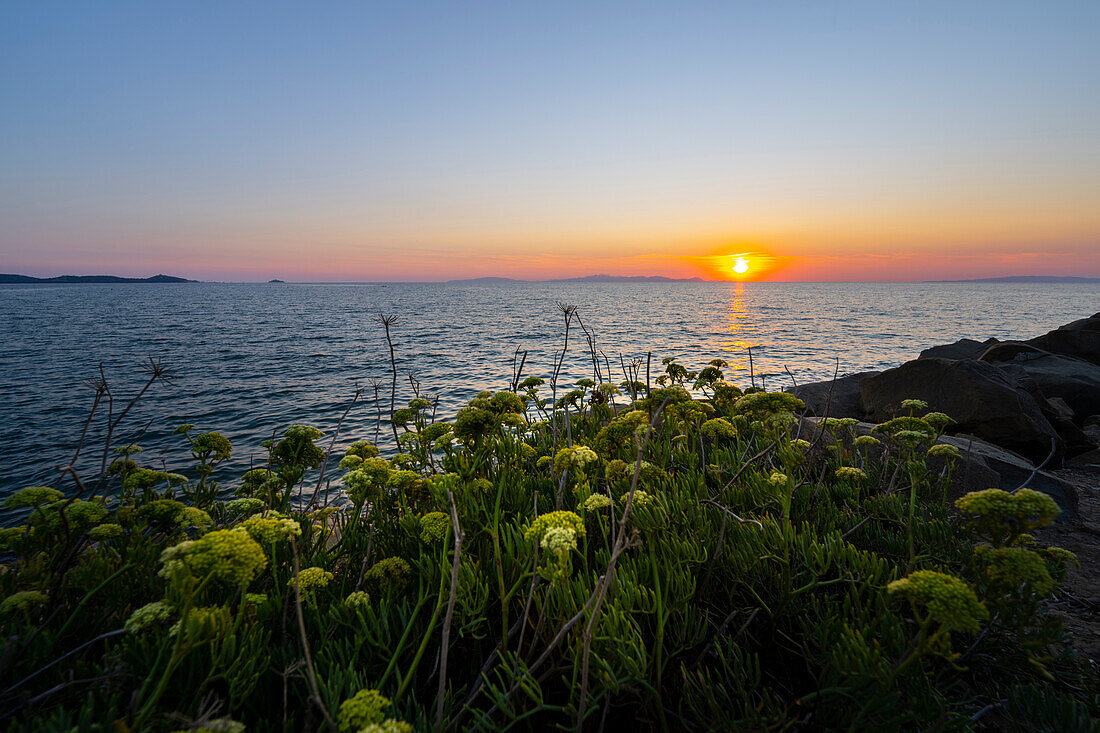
<point>673,563</point>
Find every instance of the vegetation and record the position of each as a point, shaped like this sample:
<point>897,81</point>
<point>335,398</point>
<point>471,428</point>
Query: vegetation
<point>610,554</point>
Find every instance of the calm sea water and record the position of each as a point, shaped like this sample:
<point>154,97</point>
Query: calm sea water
<point>251,359</point>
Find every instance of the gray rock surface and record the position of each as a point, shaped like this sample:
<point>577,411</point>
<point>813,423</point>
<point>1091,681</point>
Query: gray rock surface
<point>1074,380</point>
<point>978,396</point>
<point>839,398</point>
<point>1080,339</point>
<point>961,349</point>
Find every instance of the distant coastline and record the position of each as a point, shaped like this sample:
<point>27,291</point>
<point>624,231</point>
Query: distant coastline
<point>1023,279</point>
<point>8,279</point>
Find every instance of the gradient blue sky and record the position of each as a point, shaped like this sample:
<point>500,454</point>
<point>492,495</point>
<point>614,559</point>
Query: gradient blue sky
<point>366,141</point>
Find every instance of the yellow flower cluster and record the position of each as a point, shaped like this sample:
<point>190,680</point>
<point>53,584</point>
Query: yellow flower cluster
<point>596,502</point>
<point>389,725</point>
<point>24,600</point>
<point>943,450</point>
<point>544,522</point>
<point>434,527</point>
<point>950,601</point>
<point>641,498</point>
<point>228,556</point>
<point>1008,570</point>
<point>718,429</point>
<point>850,473</point>
<point>32,496</point>
<point>365,708</point>
<point>559,541</point>
<point>867,441</point>
<point>995,514</point>
<point>777,478</point>
<point>390,573</point>
<point>272,528</point>
<point>310,578</point>
<point>357,599</point>
<point>148,615</point>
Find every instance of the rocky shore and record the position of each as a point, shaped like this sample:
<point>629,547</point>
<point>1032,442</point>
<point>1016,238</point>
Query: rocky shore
<point>1027,414</point>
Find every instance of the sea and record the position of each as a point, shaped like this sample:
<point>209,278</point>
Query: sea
<point>247,360</point>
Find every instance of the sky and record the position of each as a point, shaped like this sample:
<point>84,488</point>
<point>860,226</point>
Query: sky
<point>368,141</point>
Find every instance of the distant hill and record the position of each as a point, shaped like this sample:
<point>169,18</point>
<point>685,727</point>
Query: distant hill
<point>585,279</point>
<point>276,281</point>
<point>1024,279</point>
<point>69,279</point>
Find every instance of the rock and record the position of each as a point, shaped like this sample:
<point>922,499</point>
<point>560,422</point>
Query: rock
<point>961,349</point>
<point>842,402</point>
<point>1054,409</point>
<point>978,396</point>
<point>1008,350</point>
<point>1091,428</point>
<point>1014,471</point>
<point>1074,380</point>
<point>1080,339</point>
<point>1091,458</point>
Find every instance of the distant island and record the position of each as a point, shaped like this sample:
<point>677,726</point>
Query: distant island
<point>276,281</point>
<point>1024,279</point>
<point>70,279</point>
<point>585,279</point>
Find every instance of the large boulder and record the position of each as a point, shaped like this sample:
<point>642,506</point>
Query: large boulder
<point>961,349</point>
<point>978,396</point>
<point>1080,339</point>
<point>1074,380</point>
<point>1015,471</point>
<point>835,398</point>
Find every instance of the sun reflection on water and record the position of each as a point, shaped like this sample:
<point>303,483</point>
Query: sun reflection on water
<point>742,332</point>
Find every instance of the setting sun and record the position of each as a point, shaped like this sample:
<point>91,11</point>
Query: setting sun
<point>741,265</point>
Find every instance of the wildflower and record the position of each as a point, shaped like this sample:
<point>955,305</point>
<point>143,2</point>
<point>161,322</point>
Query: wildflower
<point>389,725</point>
<point>221,725</point>
<point>79,515</point>
<point>310,578</point>
<point>228,556</point>
<point>255,599</point>
<point>272,528</point>
<point>905,424</point>
<point>203,623</point>
<point>912,436</point>
<point>937,420</point>
<point>365,708</point>
<point>259,481</point>
<point>190,516</point>
<point>362,449</point>
<point>559,541</point>
<point>357,599</point>
<point>944,451</point>
<point>777,479</point>
<point>543,462</point>
<point>472,424</point>
<point>32,496</point>
<point>583,455</point>
<point>641,498</point>
<point>297,450</point>
<point>914,405</point>
<point>1008,570</point>
<point>435,431</point>
<point>243,507</point>
<point>866,441</point>
<point>596,502</point>
<point>527,452</point>
<point>563,519</point>
<point>434,527</point>
<point>950,601</point>
<point>419,403</point>
<point>506,402</point>
<point>391,573</point>
<point>768,402</point>
<point>620,432</point>
<point>403,479</point>
<point>997,514</point>
<point>850,473</point>
<point>148,615</point>
<point>22,601</point>
<point>531,382</point>
<point>105,532</point>
<point>213,445</point>
<point>10,537</point>
<point>802,444</point>
<point>402,417</point>
<point>718,429</point>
